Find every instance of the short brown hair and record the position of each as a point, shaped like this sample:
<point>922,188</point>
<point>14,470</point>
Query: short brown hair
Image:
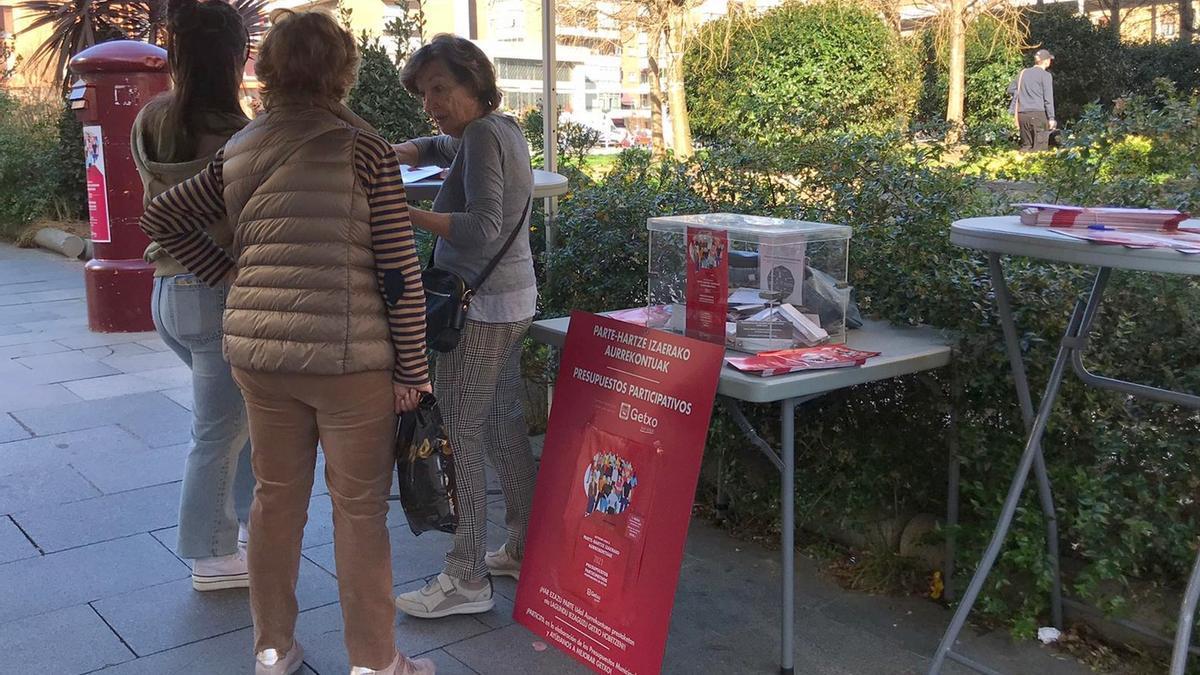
<point>306,56</point>
<point>467,62</point>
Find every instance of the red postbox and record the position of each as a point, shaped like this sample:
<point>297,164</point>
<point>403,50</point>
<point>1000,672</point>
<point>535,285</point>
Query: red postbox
<point>115,80</point>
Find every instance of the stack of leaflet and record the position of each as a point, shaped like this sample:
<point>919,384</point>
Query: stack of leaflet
<point>795,360</point>
<point>1062,215</point>
<point>1131,228</point>
<point>775,327</point>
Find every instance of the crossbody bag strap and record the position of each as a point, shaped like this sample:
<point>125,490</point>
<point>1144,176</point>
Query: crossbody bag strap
<point>491,266</point>
<point>1017,99</point>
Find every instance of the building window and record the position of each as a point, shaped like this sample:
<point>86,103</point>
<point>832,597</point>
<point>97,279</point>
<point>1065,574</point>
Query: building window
<point>1168,28</point>
<point>528,69</point>
<point>7,37</point>
<point>520,101</point>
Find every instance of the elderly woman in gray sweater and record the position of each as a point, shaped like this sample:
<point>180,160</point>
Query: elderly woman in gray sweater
<point>484,200</point>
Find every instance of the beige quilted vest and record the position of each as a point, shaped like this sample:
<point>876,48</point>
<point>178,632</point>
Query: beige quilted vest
<point>306,298</point>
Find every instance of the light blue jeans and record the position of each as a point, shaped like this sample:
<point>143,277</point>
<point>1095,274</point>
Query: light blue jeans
<point>218,483</point>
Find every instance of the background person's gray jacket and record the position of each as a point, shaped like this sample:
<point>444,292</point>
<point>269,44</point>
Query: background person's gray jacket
<point>1035,94</point>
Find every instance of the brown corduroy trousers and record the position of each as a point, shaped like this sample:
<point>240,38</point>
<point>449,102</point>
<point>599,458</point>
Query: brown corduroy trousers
<point>353,418</point>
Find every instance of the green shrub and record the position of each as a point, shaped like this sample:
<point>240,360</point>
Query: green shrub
<point>1175,61</point>
<point>807,69</point>
<point>41,163</point>
<point>381,99</point>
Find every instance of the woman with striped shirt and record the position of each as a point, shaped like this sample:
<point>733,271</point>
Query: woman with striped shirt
<point>324,327</point>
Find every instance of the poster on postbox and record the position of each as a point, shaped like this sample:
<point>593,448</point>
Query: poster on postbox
<point>615,491</point>
<point>97,192</point>
<point>707,284</point>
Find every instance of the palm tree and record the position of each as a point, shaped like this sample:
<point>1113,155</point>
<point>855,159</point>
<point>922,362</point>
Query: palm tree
<point>79,24</point>
<point>76,25</point>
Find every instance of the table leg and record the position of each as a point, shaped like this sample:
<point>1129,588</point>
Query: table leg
<point>1033,450</point>
<point>1187,614</point>
<point>1045,494</point>
<point>785,461</point>
<point>787,494</point>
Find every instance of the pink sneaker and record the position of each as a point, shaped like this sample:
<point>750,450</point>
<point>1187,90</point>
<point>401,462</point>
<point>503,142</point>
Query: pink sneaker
<point>214,574</point>
<point>269,662</point>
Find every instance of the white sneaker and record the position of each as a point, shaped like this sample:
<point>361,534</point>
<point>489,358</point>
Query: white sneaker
<point>243,536</point>
<point>214,574</point>
<point>443,596</point>
<point>268,661</point>
<point>400,665</point>
<point>500,563</point>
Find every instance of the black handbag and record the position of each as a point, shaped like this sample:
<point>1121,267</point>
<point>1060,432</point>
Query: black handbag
<point>425,469</point>
<point>448,296</point>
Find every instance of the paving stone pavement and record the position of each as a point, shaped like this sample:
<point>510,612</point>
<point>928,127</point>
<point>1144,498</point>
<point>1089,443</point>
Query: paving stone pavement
<point>93,431</point>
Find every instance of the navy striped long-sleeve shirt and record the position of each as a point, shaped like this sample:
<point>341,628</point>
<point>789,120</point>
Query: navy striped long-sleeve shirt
<point>177,219</point>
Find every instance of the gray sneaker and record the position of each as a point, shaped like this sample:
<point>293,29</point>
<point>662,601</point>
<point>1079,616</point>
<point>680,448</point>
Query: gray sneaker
<point>501,563</point>
<point>444,596</point>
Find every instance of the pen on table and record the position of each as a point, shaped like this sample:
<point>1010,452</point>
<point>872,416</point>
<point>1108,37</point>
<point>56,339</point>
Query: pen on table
<point>1100,227</point>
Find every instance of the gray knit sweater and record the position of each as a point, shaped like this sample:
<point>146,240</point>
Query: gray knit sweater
<point>485,193</point>
<point>1036,93</point>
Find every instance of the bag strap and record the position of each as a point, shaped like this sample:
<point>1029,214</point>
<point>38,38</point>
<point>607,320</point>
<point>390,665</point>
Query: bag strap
<point>491,266</point>
<point>1017,99</point>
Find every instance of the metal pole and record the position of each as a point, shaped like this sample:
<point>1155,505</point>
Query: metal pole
<point>1187,614</point>
<point>787,493</point>
<point>550,114</point>
<point>1045,494</point>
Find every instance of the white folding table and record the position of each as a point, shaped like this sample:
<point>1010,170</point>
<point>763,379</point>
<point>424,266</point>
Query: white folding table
<point>545,184</point>
<point>903,351</point>
<point>1006,236</point>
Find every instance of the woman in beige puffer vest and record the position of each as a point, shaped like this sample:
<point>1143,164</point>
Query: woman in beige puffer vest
<point>324,328</point>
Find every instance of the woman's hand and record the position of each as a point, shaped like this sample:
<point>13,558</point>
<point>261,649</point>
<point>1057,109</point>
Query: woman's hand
<point>408,398</point>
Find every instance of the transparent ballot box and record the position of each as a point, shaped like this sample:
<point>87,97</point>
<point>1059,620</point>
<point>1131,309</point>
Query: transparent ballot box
<point>752,283</point>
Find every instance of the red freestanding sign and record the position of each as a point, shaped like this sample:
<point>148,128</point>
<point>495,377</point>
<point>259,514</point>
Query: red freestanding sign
<point>615,492</point>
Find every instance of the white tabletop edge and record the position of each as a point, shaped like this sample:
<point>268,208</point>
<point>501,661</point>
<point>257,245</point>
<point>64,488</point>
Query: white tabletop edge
<point>1006,235</point>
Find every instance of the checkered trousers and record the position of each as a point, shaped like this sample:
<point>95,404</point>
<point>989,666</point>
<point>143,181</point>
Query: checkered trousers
<point>478,386</point>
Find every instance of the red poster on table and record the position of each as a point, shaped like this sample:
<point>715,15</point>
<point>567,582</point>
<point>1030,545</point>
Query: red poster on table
<point>97,189</point>
<point>615,490</point>
<point>707,284</point>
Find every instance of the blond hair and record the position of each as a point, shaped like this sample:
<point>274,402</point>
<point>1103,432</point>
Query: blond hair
<point>307,57</point>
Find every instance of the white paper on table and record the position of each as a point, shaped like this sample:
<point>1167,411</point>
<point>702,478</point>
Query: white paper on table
<point>412,174</point>
<point>746,296</point>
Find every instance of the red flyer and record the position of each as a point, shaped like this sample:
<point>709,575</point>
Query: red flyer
<point>795,360</point>
<point>97,188</point>
<point>707,284</point>
<point>615,492</point>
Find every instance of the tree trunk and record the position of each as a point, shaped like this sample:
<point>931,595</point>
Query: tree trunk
<point>681,128</point>
<point>1114,16</point>
<point>658,142</point>
<point>958,70</point>
<point>1187,21</point>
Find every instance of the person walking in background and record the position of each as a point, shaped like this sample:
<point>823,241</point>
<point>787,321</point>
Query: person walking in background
<point>324,328</point>
<point>483,202</point>
<point>173,138</point>
<point>1033,103</point>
